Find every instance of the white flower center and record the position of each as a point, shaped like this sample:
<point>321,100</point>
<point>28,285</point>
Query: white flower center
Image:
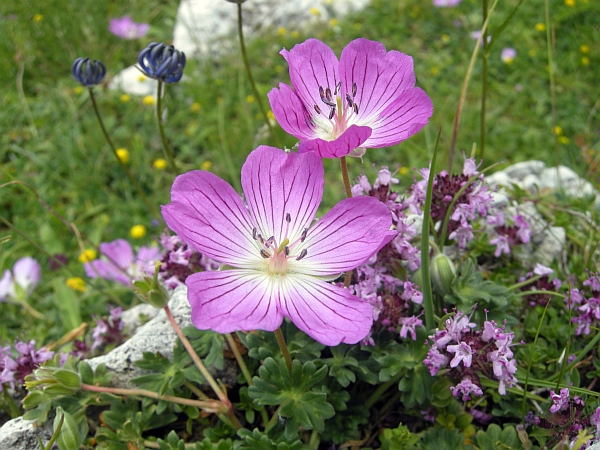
<point>332,122</point>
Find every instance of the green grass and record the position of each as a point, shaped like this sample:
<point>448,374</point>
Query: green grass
<point>58,148</point>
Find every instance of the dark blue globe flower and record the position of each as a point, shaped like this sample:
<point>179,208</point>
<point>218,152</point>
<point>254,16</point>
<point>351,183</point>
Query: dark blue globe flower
<point>88,73</point>
<point>162,62</point>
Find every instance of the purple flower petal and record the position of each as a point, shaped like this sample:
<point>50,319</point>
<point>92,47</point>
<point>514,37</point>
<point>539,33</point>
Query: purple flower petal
<point>351,139</point>
<point>118,252</point>
<point>401,119</point>
<point>7,288</point>
<point>208,214</point>
<point>312,65</point>
<point>348,235</point>
<point>27,273</point>
<point>290,113</point>
<point>233,300</point>
<point>380,76</point>
<point>107,270</point>
<point>329,314</point>
<point>281,185</point>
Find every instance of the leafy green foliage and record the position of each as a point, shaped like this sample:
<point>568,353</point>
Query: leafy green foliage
<point>496,438</point>
<point>443,439</point>
<point>257,440</point>
<point>299,403</point>
<point>207,344</point>
<point>399,438</point>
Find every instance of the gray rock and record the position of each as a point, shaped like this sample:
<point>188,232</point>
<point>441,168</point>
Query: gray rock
<point>563,178</point>
<point>19,434</point>
<point>530,183</point>
<point>520,170</point>
<point>500,178</point>
<point>135,317</point>
<point>552,246</point>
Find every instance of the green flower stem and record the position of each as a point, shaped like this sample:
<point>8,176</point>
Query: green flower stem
<point>463,93</point>
<point>284,349</point>
<point>486,382</point>
<point>592,344</point>
<point>205,373</point>
<point>273,420</point>
<point>135,185</point>
<point>426,288</point>
<point>374,397</point>
<point>551,385</point>
<point>11,407</point>
<point>524,293</point>
<point>263,111</point>
<point>161,130</point>
<point>208,405</point>
<point>54,437</point>
<point>201,395</point>
<point>524,283</point>
<point>315,440</point>
<point>233,175</point>
<point>484,84</point>
<point>238,356</point>
<point>346,178</point>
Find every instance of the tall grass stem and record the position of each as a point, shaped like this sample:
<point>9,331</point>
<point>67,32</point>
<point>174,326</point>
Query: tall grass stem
<point>161,129</point>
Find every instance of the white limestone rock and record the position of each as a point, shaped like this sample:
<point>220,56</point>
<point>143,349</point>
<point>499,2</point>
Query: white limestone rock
<point>19,434</point>
<point>552,246</point>
<point>520,170</point>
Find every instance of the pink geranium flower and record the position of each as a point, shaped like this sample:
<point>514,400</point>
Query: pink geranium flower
<point>366,100</point>
<point>120,265</point>
<point>125,28</point>
<point>277,264</point>
<point>21,281</point>
<point>446,3</point>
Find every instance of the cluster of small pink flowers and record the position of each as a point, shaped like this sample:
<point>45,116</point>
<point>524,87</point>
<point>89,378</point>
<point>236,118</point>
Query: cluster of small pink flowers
<point>541,281</point>
<point>506,236</point>
<point>469,353</point>
<point>180,260</point>
<point>390,297</point>
<point>474,202</point>
<point>586,302</point>
<point>109,330</point>
<point>18,361</point>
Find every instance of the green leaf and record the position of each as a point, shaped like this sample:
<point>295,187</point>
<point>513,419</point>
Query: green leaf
<point>68,436</point>
<point>258,440</point>
<point>341,366</point>
<point>398,438</point>
<point>68,305</point>
<point>495,438</point>
<point>443,439</point>
<point>300,404</point>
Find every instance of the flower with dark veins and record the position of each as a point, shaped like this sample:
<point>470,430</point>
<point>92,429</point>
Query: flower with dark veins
<point>366,100</point>
<point>276,264</point>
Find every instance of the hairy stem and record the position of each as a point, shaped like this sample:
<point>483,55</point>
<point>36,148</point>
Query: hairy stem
<point>161,130</point>
<point>284,349</point>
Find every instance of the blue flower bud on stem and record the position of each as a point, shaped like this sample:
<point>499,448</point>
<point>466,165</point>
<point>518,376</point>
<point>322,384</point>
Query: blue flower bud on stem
<point>88,73</point>
<point>162,62</point>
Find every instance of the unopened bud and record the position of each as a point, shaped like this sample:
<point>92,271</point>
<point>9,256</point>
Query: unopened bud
<point>442,273</point>
<point>151,291</point>
<point>68,435</point>
<point>53,381</point>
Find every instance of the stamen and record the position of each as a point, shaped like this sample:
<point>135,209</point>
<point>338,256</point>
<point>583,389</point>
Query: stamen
<point>318,110</point>
<point>254,233</point>
<point>353,90</point>
<point>328,94</point>
<point>337,87</point>
<point>260,238</point>
<point>265,254</point>
<point>302,254</point>
<point>349,100</point>
<point>270,242</point>
<point>303,235</point>
<point>331,112</point>
<point>288,218</point>
<point>287,251</point>
<point>321,92</point>
<point>355,108</point>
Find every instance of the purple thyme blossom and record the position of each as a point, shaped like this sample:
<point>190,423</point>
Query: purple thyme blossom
<point>560,402</point>
<point>409,325</point>
<point>367,99</point>
<point>595,420</point>
<point>279,263</point>
<point>507,236</point>
<point>586,302</point>
<point>465,388</point>
<point>109,330</point>
<point>17,363</point>
<point>25,276</point>
<point>542,270</point>
<point>125,28</point>
<point>120,264</point>
<point>508,55</point>
<point>462,352</point>
<point>446,3</point>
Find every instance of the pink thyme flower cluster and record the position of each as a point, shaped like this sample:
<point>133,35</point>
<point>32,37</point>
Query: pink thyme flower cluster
<point>506,236</point>
<point>179,261</point>
<point>586,302</point>
<point>109,330</point>
<point>469,353</point>
<point>18,361</point>
<point>540,281</point>
<point>473,203</point>
<point>390,297</point>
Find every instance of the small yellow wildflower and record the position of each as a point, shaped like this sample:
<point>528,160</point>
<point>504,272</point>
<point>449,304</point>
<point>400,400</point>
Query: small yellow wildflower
<point>76,283</point>
<point>123,155</point>
<point>434,70</point>
<point>270,115</point>
<point>333,23</point>
<point>294,34</point>
<point>281,31</point>
<point>206,165</point>
<point>558,130</point>
<point>38,18</point>
<point>314,11</point>
<point>141,78</point>
<point>569,2</point>
<point>78,89</point>
<point>137,231</point>
<point>584,48</point>
<point>87,255</point>
<point>445,38</point>
<point>585,61</point>
<point>250,99</point>
<point>540,26</point>
<point>563,140</point>
<point>196,107</point>
<point>404,170</point>
<point>160,164</point>
<point>125,98</point>
<point>148,100</point>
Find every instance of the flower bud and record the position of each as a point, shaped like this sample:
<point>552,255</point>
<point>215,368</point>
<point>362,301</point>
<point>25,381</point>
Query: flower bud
<point>68,435</point>
<point>149,290</point>
<point>162,62</point>
<point>442,273</point>
<point>53,381</point>
<point>88,73</point>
